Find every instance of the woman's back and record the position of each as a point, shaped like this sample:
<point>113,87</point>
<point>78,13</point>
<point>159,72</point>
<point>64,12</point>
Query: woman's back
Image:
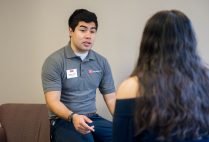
<point>123,122</point>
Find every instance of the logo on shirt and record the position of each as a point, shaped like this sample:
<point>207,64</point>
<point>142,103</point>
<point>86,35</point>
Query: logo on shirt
<point>90,71</point>
<point>71,73</point>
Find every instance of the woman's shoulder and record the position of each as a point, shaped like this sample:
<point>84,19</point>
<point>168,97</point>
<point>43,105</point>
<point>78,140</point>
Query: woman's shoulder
<point>129,88</point>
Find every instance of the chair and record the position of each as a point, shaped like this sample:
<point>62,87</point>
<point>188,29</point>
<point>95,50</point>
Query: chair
<point>24,123</point>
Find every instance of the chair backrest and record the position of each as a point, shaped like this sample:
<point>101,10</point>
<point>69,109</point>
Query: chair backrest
<point>25,122</point>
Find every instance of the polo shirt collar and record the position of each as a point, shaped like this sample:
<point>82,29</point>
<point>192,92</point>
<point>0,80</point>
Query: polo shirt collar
<point>69,53</point>
<point>90,56</point>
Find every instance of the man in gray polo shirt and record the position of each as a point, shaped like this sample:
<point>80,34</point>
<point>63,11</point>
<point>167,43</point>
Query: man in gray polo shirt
<point>70,77</point>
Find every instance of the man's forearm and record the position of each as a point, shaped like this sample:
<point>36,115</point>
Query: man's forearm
<point>110,100</point>
<point>57,107</point>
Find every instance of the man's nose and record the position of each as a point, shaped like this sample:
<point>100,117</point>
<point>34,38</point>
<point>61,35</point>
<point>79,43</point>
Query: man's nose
<point>88,34</point>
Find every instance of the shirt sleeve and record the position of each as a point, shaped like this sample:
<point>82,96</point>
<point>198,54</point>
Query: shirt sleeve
<point>51,75</point>
<point>107,84</point>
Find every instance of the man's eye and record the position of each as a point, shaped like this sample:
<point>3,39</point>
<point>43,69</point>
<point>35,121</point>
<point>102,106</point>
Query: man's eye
<point>82,30</point>
<point>93,31</point>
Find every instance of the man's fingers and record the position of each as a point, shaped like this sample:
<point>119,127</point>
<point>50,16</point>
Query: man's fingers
<point>86,119</point>
<point>87,127</point>
<point>89,121</point>
<point>81,124</point>
<point>84,131</point>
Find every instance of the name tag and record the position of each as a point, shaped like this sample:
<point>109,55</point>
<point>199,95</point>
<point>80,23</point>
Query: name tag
<point>72,73</point>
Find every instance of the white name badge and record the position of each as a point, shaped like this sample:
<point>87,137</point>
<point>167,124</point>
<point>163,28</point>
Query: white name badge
<point>72,73</point>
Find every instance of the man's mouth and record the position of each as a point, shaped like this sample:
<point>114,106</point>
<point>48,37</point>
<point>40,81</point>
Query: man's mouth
<point>86,43</point>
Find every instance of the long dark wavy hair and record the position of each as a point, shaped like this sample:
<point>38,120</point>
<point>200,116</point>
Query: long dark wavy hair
<point>174,83</point>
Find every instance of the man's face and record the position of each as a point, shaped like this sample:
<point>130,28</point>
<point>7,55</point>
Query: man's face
<point>82,38</point>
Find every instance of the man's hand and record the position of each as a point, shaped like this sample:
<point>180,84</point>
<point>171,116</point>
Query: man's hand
<point>80,124</point>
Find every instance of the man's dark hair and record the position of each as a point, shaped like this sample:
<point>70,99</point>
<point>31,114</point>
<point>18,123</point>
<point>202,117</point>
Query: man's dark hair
<point>82,15</point>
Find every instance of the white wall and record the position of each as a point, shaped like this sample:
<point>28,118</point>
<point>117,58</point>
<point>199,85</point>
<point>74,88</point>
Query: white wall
<point>32,29</point>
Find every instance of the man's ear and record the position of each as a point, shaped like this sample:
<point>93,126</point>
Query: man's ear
<point>70,31</point>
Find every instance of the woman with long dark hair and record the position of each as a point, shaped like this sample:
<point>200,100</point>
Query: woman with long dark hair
<point>166,98</point>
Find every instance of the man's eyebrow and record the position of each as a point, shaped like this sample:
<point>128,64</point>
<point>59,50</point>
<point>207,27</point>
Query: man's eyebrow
<point>82,26</point>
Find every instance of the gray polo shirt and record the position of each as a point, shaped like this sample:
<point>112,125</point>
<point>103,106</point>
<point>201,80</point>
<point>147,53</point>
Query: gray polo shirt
<point>76,79</point>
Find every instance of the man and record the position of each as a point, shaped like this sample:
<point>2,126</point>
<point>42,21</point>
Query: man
<point>70,77</point>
